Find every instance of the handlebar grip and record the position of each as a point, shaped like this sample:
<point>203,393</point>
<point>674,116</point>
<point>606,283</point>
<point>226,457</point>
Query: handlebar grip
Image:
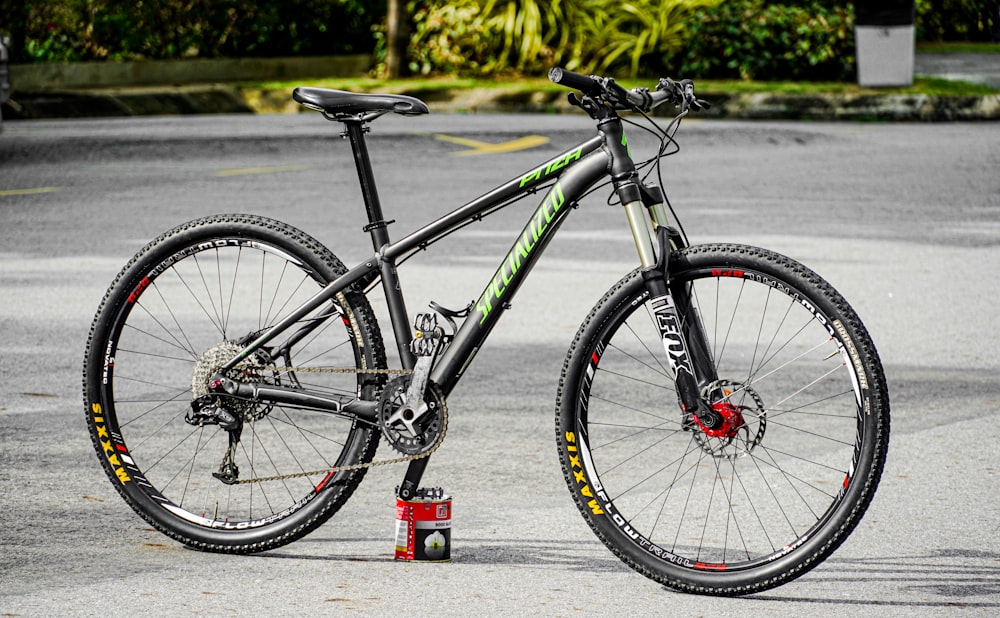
<point>584,83</point>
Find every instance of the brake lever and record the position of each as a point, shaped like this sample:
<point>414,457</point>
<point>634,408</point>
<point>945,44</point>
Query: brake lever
<point>616,95</point>
<point>587,104</point>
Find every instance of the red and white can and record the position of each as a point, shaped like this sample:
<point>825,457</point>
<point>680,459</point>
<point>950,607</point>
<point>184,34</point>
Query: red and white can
<point>423,527</point>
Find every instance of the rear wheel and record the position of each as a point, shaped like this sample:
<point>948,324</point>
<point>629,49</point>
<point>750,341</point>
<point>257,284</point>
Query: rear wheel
<point>252,476</point>
<point>790,463</point>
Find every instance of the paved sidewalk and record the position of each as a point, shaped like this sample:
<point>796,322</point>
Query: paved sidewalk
<point>887,104</point>
<point>975,68</point>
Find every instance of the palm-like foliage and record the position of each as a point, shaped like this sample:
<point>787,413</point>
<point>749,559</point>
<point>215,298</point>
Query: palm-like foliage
<point>531,35</point>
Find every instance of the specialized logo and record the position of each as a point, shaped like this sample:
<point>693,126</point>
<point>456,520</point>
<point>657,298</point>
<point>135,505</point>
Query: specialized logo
<point>525,246</point>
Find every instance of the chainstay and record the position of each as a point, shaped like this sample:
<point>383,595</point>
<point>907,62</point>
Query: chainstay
<point>348,468</point>
<point>332,370</point>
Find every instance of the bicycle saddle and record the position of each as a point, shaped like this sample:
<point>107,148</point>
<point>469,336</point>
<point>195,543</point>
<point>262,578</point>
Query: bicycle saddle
<point>340,102</point>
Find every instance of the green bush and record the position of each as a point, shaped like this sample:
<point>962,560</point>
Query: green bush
<point>752,39</point>
<point>63,30</point>
<point>529,36</point>
<point>957,20</point>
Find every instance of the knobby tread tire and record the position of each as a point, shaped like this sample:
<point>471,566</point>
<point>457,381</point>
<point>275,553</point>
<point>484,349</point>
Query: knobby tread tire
<point>872,459</point>
<point>364,443</point>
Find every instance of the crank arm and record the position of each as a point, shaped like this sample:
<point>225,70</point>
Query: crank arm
<point>426,346</point>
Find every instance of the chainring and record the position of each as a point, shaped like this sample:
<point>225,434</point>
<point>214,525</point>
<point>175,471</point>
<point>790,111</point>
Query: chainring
<point>424,431</point>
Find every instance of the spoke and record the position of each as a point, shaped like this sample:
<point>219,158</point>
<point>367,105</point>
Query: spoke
<point>659,369</point>
<point>175,343</point>
<point>637,453</point>
<point>663,386</point>
<point>789,362</point>
<point>615,403</point>
<point>228,312</point>
<point>152,355</point>
<point>281,310</point>
<point>770,450</point>
<point>660,352</point>
<point>215,321</point>
<point>809,385</point>
<point>172,418</point>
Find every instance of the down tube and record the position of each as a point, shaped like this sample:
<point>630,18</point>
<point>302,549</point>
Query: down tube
<point>531,243</point>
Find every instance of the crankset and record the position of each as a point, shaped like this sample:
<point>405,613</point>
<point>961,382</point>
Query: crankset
<point>412,427</point>
<point>411,408</point>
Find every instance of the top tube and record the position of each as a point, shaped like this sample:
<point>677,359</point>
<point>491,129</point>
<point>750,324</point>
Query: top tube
<point>523,183</point>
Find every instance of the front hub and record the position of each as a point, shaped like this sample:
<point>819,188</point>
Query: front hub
<point>724,423</point>
<point>732,422</point>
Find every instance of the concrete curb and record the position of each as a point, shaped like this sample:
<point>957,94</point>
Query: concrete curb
<point>73,76</point>
<point>222,99</point>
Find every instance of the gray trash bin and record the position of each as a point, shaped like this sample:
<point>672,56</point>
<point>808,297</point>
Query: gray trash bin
<point>884,37</point>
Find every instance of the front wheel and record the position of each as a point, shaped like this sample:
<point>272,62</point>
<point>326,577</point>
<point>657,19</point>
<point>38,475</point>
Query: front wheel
<point>251,476</point>
<point>761,497</point>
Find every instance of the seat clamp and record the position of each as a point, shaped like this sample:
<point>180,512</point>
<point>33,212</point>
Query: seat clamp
<point>377,224</point>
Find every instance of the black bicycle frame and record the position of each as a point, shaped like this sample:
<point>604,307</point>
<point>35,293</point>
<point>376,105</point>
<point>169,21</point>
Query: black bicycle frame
<point>568,176</point>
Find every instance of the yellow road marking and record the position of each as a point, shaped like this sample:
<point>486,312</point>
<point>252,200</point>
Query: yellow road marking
<point>28,191</point>
<point>241,171</point>
<point>477,147</point>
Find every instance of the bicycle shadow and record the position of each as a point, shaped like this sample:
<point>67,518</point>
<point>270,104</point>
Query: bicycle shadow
<point>946,578</point>
<point>954,578</point>
<point>589,556</point>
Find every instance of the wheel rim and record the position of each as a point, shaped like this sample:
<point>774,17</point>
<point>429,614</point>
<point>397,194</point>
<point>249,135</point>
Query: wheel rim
<point>753,489</point>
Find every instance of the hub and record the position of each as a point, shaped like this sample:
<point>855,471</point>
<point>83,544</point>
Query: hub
<point>728,428</point>
<point>726,421</point>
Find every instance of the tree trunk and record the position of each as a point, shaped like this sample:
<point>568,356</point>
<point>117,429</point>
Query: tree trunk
<point>395,38</point>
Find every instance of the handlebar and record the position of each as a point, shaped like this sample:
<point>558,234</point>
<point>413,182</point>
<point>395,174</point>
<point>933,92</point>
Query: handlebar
<point>605,89</point>
<point>587,84</point>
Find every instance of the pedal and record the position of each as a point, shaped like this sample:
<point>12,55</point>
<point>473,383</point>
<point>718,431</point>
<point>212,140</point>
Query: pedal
<point>427,335</point>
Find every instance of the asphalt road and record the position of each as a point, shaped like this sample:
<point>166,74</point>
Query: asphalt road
<point>904,219</point>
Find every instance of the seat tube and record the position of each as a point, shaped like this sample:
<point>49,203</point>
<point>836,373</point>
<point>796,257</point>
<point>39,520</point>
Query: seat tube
<point>378,228</point>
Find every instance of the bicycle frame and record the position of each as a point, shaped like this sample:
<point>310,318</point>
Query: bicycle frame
<point>571,174</point>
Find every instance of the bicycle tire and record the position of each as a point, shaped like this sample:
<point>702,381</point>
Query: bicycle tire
<point>179,309</point>
<point>761,500</point>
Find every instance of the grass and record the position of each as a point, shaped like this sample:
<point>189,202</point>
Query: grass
<point>921,85</point>
<point>959,48</point>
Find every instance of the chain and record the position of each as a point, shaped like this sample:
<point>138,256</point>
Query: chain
<point>370,464</point>
<point>334,370</point>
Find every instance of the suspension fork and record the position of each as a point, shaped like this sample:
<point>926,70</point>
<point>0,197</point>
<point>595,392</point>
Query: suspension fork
<point>689,357</point>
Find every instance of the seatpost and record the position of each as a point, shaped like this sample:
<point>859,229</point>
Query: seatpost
<point>376,224</point>
<point>377,227</point>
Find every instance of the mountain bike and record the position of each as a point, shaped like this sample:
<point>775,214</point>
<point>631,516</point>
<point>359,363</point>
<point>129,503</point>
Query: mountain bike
<point>722,416</point>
